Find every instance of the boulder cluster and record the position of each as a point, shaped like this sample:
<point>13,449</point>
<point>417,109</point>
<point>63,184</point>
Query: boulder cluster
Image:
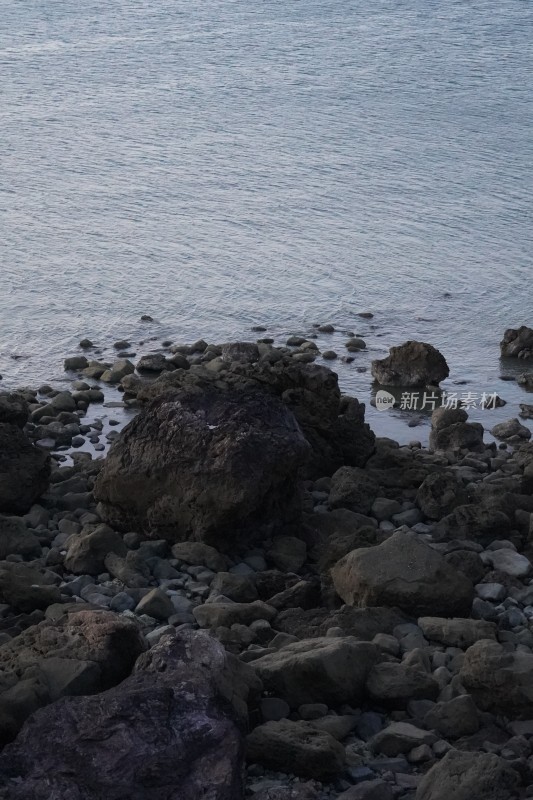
<point>252,596</point>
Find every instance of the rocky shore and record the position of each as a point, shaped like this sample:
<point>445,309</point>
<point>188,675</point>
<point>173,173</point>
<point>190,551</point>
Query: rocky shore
<point>253,596</point>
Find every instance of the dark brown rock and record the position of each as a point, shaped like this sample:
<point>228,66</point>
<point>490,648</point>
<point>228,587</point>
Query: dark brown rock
<point>207,466</point>
<point>411,364</point>
<point>168,731</point>
<point>517,343</point>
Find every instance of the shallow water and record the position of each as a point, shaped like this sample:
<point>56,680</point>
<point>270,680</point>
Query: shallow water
<point>227,163</point>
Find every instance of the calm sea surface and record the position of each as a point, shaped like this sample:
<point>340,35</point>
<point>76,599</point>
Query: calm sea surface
<point>225,163</point>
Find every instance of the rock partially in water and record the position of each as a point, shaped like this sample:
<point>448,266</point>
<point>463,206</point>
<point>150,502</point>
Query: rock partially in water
<point>411,364</point>
<point>517,343</point>
<point>511,430</point>
<point>451,431</point>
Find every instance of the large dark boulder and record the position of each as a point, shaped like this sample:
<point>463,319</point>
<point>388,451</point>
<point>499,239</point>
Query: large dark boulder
<point>517,343</point>
<point>411,364</point>
<point>24,470</point>
<point>168,732</point>
<point>334,425</point>
<point>206,465</point>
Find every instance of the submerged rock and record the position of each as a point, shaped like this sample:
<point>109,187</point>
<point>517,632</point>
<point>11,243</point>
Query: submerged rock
<point>517,342</point>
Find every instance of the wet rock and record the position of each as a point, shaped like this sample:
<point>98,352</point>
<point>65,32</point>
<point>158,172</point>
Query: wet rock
<point>243,352</point>
<point>469,776</point>
<point>24,470</point>
<point>75,363</point>
<point>517,343</point>
<point>172,719</point>
<point>355,343</point>
<point>321,670</point>
<point>207,466</point>
<point>154,362</point>
<point>274,708</point>
<point>403,572</point>
<point>119,370</point>
<point>511,430</point>
<point>295,747</point>
<point>411,364</point>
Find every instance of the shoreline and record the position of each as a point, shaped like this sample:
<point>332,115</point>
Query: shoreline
<point>249,512</point>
